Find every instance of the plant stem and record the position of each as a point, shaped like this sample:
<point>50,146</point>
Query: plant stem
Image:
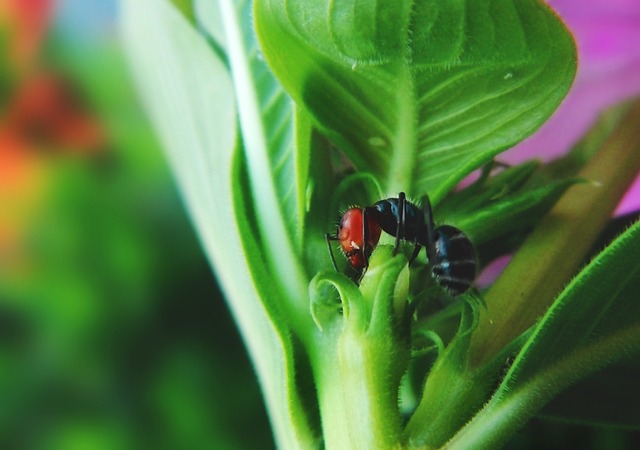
<point>359,407</point>
<point>360,356</point>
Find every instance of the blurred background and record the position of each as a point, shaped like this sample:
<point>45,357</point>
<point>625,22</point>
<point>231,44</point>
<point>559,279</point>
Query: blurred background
<point>113,333</point>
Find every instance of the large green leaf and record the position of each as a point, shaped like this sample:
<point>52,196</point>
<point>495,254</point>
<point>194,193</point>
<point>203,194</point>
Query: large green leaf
<point>593,323</point>
<point>277,166</point>
<point>421,93</point>
<point>190,97</point>
<point>268,112</point>
<point>501,206</point>
<point>270,185</point>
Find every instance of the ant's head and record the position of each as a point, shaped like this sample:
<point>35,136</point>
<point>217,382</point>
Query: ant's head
<point>351,234</point>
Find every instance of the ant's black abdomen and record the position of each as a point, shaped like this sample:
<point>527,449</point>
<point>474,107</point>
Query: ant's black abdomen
<point>453,262</point>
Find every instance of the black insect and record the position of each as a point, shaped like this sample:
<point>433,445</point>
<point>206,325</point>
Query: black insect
<point>449,251</point>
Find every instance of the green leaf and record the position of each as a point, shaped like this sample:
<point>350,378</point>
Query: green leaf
<point>209,20</point>
<point>297,383</point>
<point>497,211</point>
<point>329,314</point>
<point>277,158</point>
<point>185,7</point>
<point>440,413</point>
<point>189,95</point>
<point>420,94</point>
<point>593,323</point>
<point>270,202</point>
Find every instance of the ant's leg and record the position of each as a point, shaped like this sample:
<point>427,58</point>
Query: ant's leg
<point>330,238</point>
<point>486,170</point>
<point>416,250</point>
<point>365,241</point>
<point>409,311</point>
<point>402,209</point>
<point>430,227</point>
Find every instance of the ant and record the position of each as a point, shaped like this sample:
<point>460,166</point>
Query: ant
<point>450,252</point>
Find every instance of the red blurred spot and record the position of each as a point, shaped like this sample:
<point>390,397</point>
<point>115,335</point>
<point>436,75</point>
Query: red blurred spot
<point>26,21</point>
<point>45,113</point>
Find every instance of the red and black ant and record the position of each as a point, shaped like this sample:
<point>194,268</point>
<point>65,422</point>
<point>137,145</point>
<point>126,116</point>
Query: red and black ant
<point>450,253</point>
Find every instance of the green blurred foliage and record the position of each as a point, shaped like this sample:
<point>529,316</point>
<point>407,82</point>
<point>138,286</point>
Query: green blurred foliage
<point>113,333</point>
<point>540,434</point>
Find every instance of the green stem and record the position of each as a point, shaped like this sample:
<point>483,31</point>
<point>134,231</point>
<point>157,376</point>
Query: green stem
<point>359,407</point>
<point>360,356</point>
